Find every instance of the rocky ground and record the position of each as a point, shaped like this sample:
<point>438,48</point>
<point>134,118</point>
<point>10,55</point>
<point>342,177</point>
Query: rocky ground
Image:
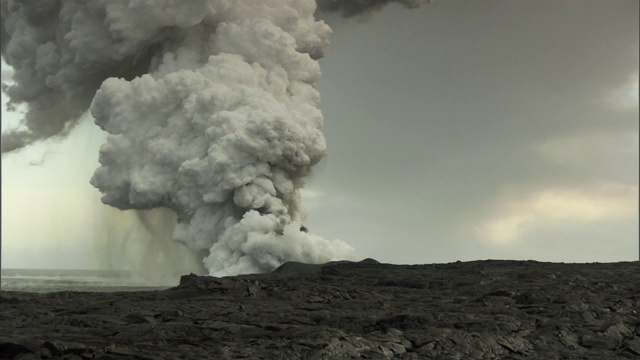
<point>463,310</point>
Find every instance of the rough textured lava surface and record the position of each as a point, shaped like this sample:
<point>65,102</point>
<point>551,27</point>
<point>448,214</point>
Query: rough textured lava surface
<point>344,310</point>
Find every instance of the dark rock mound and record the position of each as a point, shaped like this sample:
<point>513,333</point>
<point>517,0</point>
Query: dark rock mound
<point>294,267</point>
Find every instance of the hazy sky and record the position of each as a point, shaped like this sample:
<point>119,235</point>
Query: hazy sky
<point>462,130</point>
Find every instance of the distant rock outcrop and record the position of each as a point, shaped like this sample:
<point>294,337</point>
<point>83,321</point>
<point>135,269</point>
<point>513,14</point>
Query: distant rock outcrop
<point>294,267</point>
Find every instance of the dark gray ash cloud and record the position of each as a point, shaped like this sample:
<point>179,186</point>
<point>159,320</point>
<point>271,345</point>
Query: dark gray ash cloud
<point>350,8</point>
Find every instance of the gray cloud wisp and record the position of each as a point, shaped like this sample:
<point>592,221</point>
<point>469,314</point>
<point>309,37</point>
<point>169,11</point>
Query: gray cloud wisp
<point>350,8</point>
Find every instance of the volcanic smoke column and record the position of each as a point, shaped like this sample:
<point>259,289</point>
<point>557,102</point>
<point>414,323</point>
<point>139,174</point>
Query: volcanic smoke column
<point>223,131</point>
<point>210,106</point>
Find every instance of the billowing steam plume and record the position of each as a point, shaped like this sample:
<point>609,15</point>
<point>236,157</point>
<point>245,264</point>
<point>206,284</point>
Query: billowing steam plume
<point>210,105</point>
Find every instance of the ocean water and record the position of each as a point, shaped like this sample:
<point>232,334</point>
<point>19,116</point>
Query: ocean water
<point>44,281</point>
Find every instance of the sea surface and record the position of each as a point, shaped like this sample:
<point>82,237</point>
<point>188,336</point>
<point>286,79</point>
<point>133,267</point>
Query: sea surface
<point>45,281</point>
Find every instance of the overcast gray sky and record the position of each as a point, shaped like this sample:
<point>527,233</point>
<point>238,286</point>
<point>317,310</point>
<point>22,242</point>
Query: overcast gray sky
<point>462,130</point>
<point>484,129</point>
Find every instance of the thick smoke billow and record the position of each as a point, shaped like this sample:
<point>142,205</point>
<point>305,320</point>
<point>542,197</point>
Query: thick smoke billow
<point>349,8</point>
<point>62,51</point>
<point>210,106</point>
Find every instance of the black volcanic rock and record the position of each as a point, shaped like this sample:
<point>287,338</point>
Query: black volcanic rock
<point>344,310</point>
<point>294,267</point>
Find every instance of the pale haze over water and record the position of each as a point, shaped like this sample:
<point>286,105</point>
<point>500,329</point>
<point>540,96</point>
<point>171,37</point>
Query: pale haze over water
<point>44,281</point>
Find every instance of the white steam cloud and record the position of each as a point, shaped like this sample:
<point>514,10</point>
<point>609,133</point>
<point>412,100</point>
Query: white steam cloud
<point>210,106</point>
